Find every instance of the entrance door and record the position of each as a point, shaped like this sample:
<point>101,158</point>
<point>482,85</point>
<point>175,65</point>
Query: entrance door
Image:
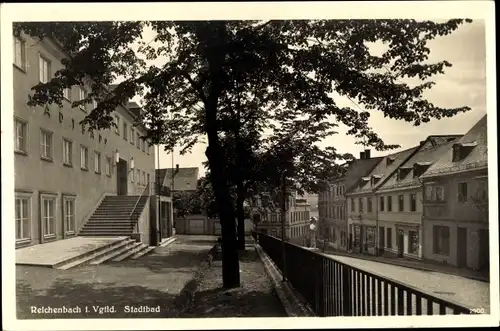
<point>484,250</point>
<point>401,243</point>
<point>165,216</point>
<point>121,177</point>
<point>461,247</point>
<point>381,239</point>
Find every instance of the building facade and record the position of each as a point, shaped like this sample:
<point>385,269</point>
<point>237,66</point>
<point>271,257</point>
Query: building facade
<point>62,172</point>
<point>400,197</point>
<point>333,217</point>
<point>267,217</point>
<point>363,205</point>
<point>455,208</point>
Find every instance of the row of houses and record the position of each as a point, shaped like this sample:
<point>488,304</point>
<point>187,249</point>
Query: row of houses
<point>428,202</point>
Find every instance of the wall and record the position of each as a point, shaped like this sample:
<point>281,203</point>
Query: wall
<point>455,214</point>
<point>34,175</point>
<point>405,216</point>
<point>144,224</point>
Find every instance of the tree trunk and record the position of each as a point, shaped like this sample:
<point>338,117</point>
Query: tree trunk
<point>230,259</point>
<point>218,176</point>
<point>240,214</point>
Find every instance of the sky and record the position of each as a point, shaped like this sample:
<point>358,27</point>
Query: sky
<point>463,84</point>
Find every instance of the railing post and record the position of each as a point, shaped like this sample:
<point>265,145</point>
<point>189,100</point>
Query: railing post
<point>321,287</point>
<point>346,292</point>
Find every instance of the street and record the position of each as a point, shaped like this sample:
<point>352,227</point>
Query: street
<point>470,293</point>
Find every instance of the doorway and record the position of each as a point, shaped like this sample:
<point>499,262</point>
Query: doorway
<point>121,177</point>
<point>484,250</point>
<point>461,247</point>
<point>381,240</point>
<point>401,243</point>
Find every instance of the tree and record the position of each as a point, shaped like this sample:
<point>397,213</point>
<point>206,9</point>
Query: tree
<point>186,203</point>
<point>287,68</point>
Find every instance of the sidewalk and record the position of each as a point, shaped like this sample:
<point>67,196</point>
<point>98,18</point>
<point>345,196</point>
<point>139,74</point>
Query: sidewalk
<point>160,281</point>
<point>419,265</point>
<point>255,298</point>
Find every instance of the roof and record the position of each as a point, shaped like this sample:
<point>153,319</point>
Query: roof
<point>185,179</point>
<point>476,139</point>
<point>428,153</point>
<point>383,170</point>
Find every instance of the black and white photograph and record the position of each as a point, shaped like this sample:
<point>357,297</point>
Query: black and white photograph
<point>178,165</point>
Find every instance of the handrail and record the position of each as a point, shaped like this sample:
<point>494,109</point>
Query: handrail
<point>145,192</point>
<point>351,281</point>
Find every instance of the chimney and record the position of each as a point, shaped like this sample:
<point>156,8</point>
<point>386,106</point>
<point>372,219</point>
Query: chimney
<point>362,155</point>
<point>367,153</point>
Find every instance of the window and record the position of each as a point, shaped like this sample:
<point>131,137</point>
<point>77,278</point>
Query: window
<point>48,216</point>
<point>413,242</point>
<point>439,193</point>
<point>389,238</point>
<point>20,53</point>
<point>109,166</point>
<point>146,147</point>
<point>353,208</point>
<point>138,176</point>
<point>441,240</point>
<point>132,176</point>
<point>43,69</point>
<point>413,202</point>
<point>401,202</point>
<point>97,162</point>
<point>369,204</point>
<point>143,145</point>
<point>147,182</point>
<point>46,145</point>
<point>381,203</point>
<point>84,157</point>
<point>69,214</point>
<point>82,95</point>
<point>389,203</point>
<point>23,218</point>
<point>132,135</point>
<point>67,152</point>
<point>434,193</point>
<point>137,139</point>
<point>462,192</point>
<point>117,124</point>
<point>67,93</point>
<point>125,130</point>
<point>360,205</point>
<point>428,193</point>
<point>20,133</point>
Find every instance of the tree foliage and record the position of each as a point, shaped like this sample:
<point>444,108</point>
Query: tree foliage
<point>236,80</point>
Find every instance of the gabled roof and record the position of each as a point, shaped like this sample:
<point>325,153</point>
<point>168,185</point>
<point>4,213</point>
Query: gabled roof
<point>428,153</point>
<point>185,179</point>
<point>356,169</point>
<point>476,139</point>
<point>383,170</point>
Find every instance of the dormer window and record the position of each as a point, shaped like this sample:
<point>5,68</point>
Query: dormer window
<point>461,150</point>
<point>364,181</point>
<point>375,179</point>
<point>403,172</point>
<point>390,160</point>
<point>420,167</point>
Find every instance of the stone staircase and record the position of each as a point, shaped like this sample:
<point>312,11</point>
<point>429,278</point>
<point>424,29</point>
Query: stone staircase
<point>124,248</point>
<point>112,217</point>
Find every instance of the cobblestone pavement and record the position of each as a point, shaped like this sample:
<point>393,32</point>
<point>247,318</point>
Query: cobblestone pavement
<point>469,293</point>
<point>104,291</point>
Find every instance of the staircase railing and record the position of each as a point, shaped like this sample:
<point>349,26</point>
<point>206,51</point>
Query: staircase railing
<point>134,215</point>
